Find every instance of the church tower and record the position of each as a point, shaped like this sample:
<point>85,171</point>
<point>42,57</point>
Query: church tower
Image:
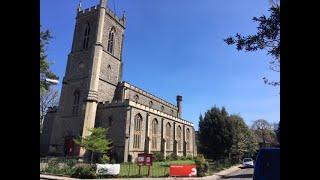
<point>93,71</point>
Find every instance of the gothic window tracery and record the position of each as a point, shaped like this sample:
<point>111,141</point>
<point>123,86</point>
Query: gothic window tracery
<point>188,139</point>
<point>154,131</point>
<point>137,131</point>
<point>179,137</point>
<point>168,136</point>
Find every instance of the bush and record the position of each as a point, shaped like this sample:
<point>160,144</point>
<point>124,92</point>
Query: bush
<point>172,157</point>
<point>104,159</point>
<point>183,158</point>
<point>158,156</point>
<point>189,157</point>
<point>84,171</point>
<point>71,162</point>
<point>53,162</point>
<point>202,165</point>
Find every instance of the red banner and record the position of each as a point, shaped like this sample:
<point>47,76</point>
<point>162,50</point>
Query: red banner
<point>183,170</point>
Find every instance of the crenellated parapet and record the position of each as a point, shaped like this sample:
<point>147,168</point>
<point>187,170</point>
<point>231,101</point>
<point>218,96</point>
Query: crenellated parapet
<point>95,9</point>
<point>87,11</point>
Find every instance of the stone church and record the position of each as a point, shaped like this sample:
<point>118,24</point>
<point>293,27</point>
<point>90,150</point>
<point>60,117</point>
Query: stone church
<point>94,95</point>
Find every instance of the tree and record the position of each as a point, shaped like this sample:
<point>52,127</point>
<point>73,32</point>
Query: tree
<point>264,132</point>
<point>48,98</point>
<point>45,71</point>
<point>215,133</point>
<point>267,38</point>
<point>96,142</point>
<point>244,142</point>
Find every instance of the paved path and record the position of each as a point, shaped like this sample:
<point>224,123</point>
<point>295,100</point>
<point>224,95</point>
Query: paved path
<point>241,174</point>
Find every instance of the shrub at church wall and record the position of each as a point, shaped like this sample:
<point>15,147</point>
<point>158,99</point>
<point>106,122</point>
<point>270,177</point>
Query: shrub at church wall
<point>84,171</point>
<point>158,156</point>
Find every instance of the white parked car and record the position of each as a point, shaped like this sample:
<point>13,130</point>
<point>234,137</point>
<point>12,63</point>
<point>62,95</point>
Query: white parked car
<point>247,162</point>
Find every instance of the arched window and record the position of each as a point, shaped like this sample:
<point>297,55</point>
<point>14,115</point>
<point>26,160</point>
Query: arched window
<point>154,131</point>
<point>111,40</point>
<point>86,36</point>
<point>76,98</point>
<point>136,98</point>
<point>179,137</point>
<point>162,108</point>
<point>188,139</point>
<point>168,136</point>
<point>137,131</point>
<point>150,104</point>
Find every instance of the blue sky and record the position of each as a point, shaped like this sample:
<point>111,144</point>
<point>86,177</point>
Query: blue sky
<point>176,47</point>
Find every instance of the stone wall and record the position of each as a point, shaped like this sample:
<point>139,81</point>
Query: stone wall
<point>150,116</point>
<point>47,131</point>
<point>113,116</point>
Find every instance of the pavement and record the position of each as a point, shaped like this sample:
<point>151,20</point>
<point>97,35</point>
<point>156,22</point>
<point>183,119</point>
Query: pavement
<point>241,174</point>
<point>231,173</point>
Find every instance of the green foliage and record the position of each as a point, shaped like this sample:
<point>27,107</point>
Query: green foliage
<point>244,143</point>
<point>223,136</point>
<point>104,159</point>
<point>215,134</point>
<point>189,157</point>
<point>158,156</point>
<point>60,168</point>
<point>96,142</point>
<point>45,71</point>
<point>267,38</point>
<point>202,165</point>
<point>172,157</point>
<point>83,171</point>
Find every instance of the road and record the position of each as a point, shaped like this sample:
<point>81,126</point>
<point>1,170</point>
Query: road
<point>241,174</point>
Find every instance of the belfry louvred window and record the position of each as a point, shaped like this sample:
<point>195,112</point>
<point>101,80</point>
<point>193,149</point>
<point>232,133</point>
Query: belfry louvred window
<point>86,36</point>
<point>76,98</point>
<point>111,41</point>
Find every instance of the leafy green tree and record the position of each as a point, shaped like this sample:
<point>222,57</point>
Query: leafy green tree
<point>252,145</point>
<point>215,136</point>
<point>244,143</point>
<point>45,71</point>
<point>267,38</point>
<point>264,132</point>
<point>96,142</point>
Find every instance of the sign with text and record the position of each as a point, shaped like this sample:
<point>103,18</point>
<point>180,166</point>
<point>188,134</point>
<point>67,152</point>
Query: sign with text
<point>108,169</point>
<point>189,170</point>
<point>144,159</point>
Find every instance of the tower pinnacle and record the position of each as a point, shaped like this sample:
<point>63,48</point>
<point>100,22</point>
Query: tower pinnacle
<point>79,8</point>
<point>103,3</point>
